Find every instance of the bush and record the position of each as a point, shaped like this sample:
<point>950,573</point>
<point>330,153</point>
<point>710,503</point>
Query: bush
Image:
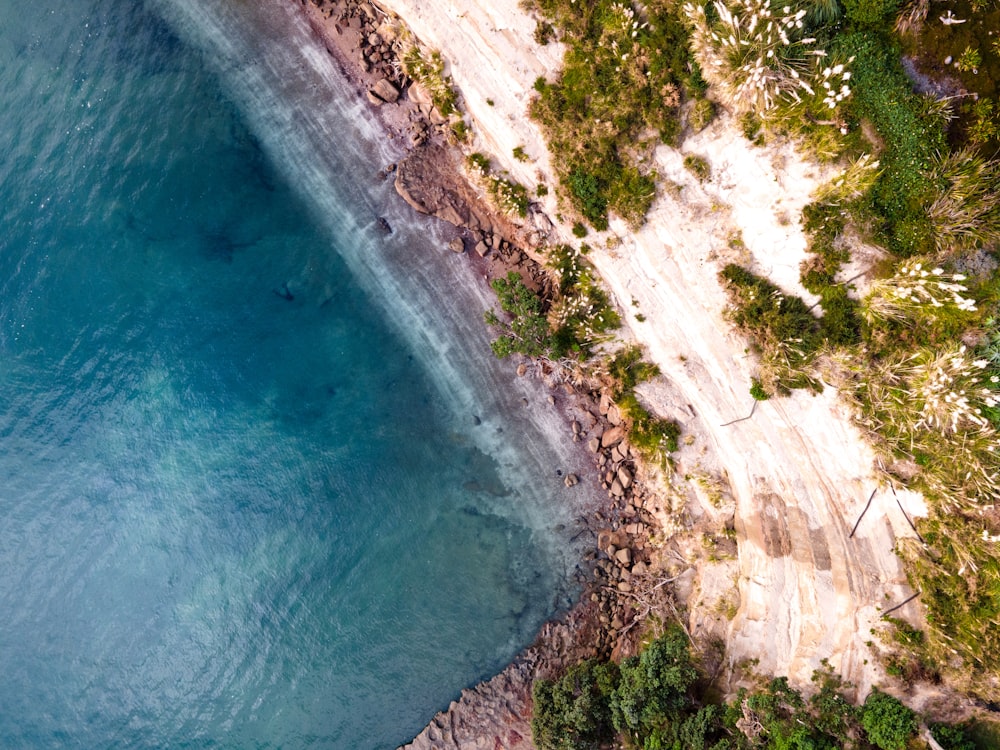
<point>653,685</point>
<point>763,310</point>
<point>871,13</point>
<point>573,712</point>
<point>698,166</point>
<point>887,722</point>
<point>590,198</point>
<point>701,114</point>
<point>883,95</point>
<point>623,78</point>
<point>527,332</point>
<point>757,391</point>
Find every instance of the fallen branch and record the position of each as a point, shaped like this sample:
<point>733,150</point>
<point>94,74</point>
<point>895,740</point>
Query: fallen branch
<point>742,419</point>
<point>858,523</point>
<point>902,604</point>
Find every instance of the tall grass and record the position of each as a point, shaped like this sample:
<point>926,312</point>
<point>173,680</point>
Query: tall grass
<point>758,56</point>
<point>966,212</point>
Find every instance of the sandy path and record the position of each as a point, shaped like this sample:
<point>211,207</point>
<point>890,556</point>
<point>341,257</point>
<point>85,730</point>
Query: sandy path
<point>799,472</point>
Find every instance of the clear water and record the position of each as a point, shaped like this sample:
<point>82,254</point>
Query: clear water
<point>232,519</point>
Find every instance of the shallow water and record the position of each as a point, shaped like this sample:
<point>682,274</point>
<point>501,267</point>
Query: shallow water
<point>234,519</point>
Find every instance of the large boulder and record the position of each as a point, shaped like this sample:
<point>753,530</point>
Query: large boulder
<point>385,90</point>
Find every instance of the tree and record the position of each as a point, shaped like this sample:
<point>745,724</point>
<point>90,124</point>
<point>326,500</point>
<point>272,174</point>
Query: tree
<point>528,331</point>
<point>572,713</point>
<point>887,722</point>
<point>654,686</point>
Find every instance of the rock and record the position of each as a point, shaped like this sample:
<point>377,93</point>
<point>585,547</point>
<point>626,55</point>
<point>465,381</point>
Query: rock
<point>576,427</point>
<point>625,587</point>
<point>616,454</point>
<point>552,400</point>
<point>457,246</point>
<point>521,370</point>
<point>614,415</point>
<point>482,249</point>
<point>385,90</point>
<point>383,225</point>
<point>476,420</point>
<point>571,480</point>
<point>624,556</point>
<point>450,213</point>
<point>612,437</point>
<point>374,99</point>
<point>374,40</point>
<point>617,623</point>
<point>604,404</point>
<point>633,529</point>
<point>616,488</point>
<point>639,569</point>
<point>594,444</point>
<point>625,477</point>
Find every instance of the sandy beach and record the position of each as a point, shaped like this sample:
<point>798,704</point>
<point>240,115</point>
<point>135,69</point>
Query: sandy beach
<point>794,478</point>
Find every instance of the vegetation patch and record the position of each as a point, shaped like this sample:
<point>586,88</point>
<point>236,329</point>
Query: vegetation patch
<point>428,71</point>
<point>654,437</point>
<point>625,75</point>
<point>658,701</point>
<point>509,196</point>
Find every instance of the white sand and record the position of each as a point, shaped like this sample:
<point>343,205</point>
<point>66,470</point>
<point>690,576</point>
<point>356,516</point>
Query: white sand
<point>800,474</point>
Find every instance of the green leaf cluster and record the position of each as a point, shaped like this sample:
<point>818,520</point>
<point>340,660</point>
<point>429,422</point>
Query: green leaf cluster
<point>653,701</point>
<point>652,436</point>
<point>527,331</point>
<point>884,96</point>
<point>887,722</point>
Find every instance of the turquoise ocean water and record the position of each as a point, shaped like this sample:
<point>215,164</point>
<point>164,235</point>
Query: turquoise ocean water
<point>229,519</point>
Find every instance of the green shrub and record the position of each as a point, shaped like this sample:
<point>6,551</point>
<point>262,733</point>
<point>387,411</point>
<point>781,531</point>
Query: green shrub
<point>757,391</point>
<point>953,737</point>
<point>883,95</point>
<point>430,74</point>
<point>766,312</point>
<point>653,685</point>
<point>590,198</point>
<point>627,369</point>
<point>579,230</point>
<point>871,13</point>
<point>544,32</point>
<point>652,436</point>
<point>527,331</point>
<point>582,314</point>
<point>698,166</point>
<point>623,77</point>
<point>702,114</point>
<point>573,712</point>
<point>887,722</point>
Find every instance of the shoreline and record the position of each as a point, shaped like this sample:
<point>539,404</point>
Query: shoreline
<point>787,485</point>
<point>430,179</point>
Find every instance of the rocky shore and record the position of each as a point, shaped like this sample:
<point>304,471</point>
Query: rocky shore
<point>618,570</point>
